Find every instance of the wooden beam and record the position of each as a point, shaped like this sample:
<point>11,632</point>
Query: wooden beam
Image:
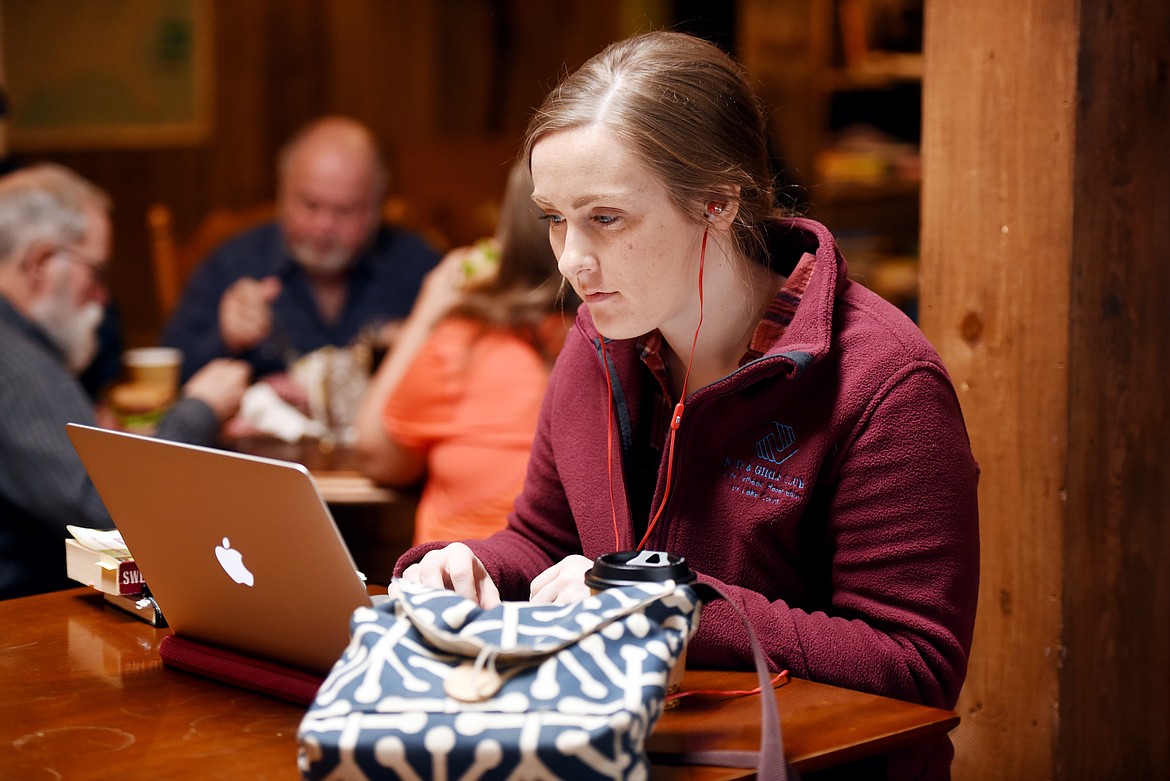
<point>1043,282</point>
<point>1115,683</point>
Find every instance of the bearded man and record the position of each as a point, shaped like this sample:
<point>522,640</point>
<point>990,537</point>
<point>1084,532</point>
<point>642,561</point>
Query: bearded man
<point>54,255</point>
<point>326,269</point>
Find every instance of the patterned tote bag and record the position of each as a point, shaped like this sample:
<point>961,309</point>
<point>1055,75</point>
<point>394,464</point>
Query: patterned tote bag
<point>432,686</point>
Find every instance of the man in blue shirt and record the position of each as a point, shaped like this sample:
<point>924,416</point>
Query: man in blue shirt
<point>326,269</point>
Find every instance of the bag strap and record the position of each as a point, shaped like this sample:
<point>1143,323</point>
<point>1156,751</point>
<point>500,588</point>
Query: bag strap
<point>769,761</point>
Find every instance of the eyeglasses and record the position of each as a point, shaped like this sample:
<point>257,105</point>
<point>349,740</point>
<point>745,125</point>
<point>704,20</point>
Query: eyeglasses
<point>95,266</point>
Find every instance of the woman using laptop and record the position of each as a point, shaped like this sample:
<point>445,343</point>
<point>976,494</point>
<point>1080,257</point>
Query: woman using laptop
<point>729,395</point>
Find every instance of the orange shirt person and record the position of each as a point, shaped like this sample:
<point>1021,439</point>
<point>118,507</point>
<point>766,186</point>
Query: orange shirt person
<point>456,400</point>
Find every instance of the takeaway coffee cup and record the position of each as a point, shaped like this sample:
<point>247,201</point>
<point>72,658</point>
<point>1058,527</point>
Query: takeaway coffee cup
<point>151,386</point>
<point>629,568</point>
<point>157,366</point>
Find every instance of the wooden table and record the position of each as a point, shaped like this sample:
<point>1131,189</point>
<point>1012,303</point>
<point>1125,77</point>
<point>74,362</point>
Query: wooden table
<point>334,468</point>
<point>83,695</point>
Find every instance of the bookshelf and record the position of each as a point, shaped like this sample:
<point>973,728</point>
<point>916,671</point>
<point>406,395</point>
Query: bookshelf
<point>843,81</point>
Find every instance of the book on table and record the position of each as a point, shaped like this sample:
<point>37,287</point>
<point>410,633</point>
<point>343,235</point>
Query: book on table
<point>100,559</point>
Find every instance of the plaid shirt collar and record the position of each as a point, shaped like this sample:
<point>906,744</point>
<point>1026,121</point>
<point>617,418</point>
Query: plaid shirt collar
<point>769,330</point>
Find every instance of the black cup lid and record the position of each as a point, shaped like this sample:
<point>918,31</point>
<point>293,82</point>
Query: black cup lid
<point>633,567</point>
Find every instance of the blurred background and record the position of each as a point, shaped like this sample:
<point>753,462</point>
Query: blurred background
<point>185,102</point>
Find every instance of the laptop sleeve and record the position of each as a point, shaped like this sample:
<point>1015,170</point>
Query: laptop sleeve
<point>286,683</point>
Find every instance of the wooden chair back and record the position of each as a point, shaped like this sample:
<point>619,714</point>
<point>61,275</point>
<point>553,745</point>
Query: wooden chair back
<point>173,261</point>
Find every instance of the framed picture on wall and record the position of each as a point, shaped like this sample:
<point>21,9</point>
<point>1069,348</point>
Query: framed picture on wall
<point>111,74</point>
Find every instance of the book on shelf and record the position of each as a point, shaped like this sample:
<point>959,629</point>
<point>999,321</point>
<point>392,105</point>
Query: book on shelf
<point>100,559</point>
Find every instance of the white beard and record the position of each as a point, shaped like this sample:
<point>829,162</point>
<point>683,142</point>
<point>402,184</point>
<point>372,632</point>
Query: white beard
<point>332,261</point>
<point>74,331</point>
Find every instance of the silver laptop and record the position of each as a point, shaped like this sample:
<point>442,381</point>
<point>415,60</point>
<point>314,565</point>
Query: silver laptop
<point>239,551</point>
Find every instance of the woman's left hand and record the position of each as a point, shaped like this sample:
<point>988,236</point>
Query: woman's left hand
<point>562,583</point>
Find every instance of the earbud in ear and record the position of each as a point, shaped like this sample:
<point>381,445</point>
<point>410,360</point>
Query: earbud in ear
<point>714,210</point>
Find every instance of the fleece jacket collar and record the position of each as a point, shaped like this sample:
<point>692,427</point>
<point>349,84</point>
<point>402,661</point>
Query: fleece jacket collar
<point>807,337</point>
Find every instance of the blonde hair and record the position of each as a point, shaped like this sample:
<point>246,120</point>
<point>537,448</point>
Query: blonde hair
<point>686,110</point>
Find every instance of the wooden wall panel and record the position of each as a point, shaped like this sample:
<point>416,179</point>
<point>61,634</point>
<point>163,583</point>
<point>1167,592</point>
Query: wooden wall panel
<point>382,64</point>
<point>1044,240</point>
<point>1115,681</point>
<point>235,167</point>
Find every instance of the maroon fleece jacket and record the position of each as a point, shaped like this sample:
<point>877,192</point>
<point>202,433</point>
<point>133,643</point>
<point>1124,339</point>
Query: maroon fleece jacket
<point>827,487</point>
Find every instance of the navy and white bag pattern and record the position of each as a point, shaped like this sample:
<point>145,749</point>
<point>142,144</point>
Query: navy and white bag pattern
<point>432,686</point>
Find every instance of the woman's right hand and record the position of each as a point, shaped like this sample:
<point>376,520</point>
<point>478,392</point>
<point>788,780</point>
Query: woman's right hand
<point>456,568</point>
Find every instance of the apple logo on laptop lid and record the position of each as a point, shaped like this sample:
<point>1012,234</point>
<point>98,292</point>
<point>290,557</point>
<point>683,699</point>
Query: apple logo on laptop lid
<point>232,562</point>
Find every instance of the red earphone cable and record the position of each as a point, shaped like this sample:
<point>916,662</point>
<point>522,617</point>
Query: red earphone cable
<point>779,678</point>
<point>676,416</point>
<point>675,421</point>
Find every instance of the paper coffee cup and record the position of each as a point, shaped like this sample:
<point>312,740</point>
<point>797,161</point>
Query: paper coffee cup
<point>157,366</point>
<point>631,568</point>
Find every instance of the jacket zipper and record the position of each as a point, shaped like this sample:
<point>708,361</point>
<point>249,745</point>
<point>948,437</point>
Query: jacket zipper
<point>619,405</point>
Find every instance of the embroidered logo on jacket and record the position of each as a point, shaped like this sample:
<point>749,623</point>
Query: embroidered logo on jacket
<point>761,477</point>
<point>776,446</point>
